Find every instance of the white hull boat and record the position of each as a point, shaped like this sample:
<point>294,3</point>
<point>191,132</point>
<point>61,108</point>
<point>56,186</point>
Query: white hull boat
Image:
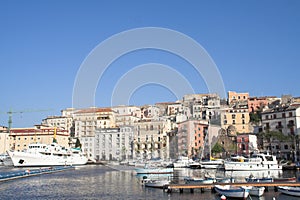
<point>293,191</point>
<point>257,191</point>
<point>233,192</point>
<point>212,164</point>
<point>156,183</point>
<point>47,155</point>
<point>257,162</point>
<point>154,170</point>
<point>183,162</point>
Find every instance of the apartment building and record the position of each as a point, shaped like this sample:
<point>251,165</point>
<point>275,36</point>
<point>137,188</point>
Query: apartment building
<point>88,120</point>
<point>4,140</point>
<point>235,97</point>
<point>126,115</point>
<point>236,119</point>
<point>111,143</point>
<point>190,137</point>
<point>151,139</point>
<point>246,144</point>
<point>62,122</point>
<point>285,119</point>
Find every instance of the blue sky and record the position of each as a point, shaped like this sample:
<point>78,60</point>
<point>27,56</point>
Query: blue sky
<point>255,45</point>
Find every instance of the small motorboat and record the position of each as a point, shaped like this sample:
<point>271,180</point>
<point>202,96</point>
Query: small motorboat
<point>156,183</point>
<point>233,191</point>
<point>257,191</point>
<point>289,190</point>
<point>251,178</point>
<point>191,180</point>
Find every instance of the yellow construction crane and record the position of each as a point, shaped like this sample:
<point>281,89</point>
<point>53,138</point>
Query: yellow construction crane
<point>10,113</point>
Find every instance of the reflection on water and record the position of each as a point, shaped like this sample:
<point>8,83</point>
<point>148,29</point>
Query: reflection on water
<point>100,182</point>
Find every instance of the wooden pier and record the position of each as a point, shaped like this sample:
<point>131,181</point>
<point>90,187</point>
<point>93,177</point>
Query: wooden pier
<point>191,187</point>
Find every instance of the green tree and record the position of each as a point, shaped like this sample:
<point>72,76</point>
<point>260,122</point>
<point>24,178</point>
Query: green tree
<point>255,117</point>
<point>218,148</point>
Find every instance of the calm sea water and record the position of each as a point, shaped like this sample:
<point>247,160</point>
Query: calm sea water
<point>101,182</point>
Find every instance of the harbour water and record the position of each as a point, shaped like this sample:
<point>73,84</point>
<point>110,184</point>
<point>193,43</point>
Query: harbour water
<point>102,182</point>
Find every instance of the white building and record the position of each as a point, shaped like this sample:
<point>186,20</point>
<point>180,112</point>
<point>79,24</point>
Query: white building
<point>283,119</point>
<point>114,143</point>
<point>126,115</point>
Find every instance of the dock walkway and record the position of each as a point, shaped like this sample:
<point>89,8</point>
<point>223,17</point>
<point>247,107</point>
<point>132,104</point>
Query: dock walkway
<point>5,176</point>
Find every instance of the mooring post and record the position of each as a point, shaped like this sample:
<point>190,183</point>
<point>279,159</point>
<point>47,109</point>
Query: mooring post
<point>192,190</point>
<point>180,190</point>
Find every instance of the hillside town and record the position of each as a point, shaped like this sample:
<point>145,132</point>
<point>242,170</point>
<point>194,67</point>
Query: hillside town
<point>198,126</point>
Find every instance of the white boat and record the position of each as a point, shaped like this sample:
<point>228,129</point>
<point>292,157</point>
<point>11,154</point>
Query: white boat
<point>255,163</point>
<point>154,170</point>
<point>47,155</point>
<point>257,191</point>
<point>156,183</point>
<point>183,162</point>
<point>293,191</point>
<point>232,191</point>
<point>196,180</point>
<point>212,164</point>
<point>252,178</point>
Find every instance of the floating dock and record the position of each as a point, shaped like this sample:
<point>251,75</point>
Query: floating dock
<point>191,187</point>
<point>5,176</point>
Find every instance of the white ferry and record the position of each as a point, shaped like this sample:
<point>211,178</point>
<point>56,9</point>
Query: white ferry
<point>256,162</point>
<point>47,155</point>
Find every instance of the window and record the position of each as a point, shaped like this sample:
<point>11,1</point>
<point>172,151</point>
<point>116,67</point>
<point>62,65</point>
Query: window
<point>290,114</point>
<point>233,121</point>
<point>274,116</point>
<point>283,115</point>
<point>233,116</point>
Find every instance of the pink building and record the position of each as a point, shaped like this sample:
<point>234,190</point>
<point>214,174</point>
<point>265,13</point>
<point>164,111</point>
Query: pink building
<point>257,103</point>
<point>190,136</point>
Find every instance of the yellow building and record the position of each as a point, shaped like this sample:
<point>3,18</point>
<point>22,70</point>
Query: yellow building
<point>20,138</point>
<point>236,120</point>
<point>4,139</point>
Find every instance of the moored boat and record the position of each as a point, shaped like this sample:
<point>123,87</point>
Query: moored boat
<point>154,170</point>
<point>194,180</point>
<point>183,162</point>
<point>232,191</point>
<point>156,183</point>
<point>293,191</point>
<point>256,162</point>
<point>262,180</point>
<point>257,191</point>
<point>47,155</point>
<point>212,164</point>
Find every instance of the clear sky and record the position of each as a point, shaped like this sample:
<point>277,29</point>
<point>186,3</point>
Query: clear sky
<point>255,45</point>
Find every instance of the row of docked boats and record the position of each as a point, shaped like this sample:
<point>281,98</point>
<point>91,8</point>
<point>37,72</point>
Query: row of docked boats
<point>255,162</point>
<point>226,190</point>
